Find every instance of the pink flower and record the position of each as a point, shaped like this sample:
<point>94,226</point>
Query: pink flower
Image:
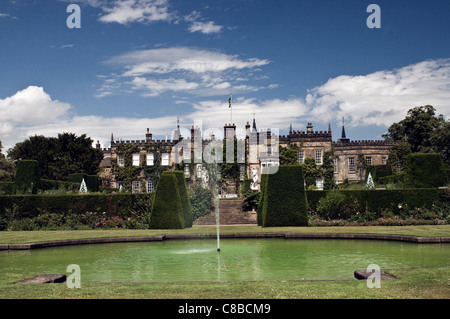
<point>129,218</point>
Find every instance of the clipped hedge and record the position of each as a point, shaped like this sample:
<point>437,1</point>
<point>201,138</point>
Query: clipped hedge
<point>27,179</point>
<point>424,170</point>
<point>48,184</point>
<point>90,180</point>
<point>392,200</point>
<point>284,202</point>
<point>167,211</point>
<point>184,196</point>
<point>378,171</point>
<point>32,205</point>
<point>6,188</point>
<point>394,179</point>
<point>262,195</point>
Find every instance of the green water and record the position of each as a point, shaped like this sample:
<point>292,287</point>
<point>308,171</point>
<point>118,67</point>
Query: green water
<point>239,259</point>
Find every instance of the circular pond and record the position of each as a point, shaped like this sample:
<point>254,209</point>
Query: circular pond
<point>239,259</point>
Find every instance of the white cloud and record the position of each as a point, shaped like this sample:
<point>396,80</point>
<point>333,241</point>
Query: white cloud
<point>205,27</point>
<point>198,25</point>
<point>32,112</point>
<point>192,70</point>
<point>31,105</point>
<point>154,88</point>
<point>128,11</point>
<point>382,97</point>
<point>273,113</point>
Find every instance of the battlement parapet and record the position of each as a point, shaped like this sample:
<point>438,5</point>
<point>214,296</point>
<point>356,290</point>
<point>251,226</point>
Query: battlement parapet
<point>365,143</point>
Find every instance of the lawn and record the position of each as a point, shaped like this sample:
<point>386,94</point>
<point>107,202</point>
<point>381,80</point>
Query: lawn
<point>423,283</point>
<point>18,237</point>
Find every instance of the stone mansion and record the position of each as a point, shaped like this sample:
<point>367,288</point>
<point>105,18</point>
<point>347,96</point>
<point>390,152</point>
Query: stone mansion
<point>312,144</point>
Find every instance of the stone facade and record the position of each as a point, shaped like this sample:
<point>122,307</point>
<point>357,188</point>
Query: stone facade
<point>260,151</point>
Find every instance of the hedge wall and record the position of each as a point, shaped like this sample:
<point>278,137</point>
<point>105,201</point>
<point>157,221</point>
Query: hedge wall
<point>378,200</point>
<point>184,196</point>
<point>27,177</point>
<point>262,194</point>
<point>284,202</point>
<point>167,211</point>
<point>378,171</point>
<point>90,180</point>
<point>32,205</point>
<point>424,170</point>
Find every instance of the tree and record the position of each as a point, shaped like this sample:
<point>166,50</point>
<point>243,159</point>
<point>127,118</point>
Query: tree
<point>417,128</point>
<point>398,155</point>
<point>59,157</point>
<point>361,165</point>
<point>7,167</point>
<point>289,155</point>
<point>440,141</point>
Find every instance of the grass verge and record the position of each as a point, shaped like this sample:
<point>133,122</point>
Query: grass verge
<point>20,237</point>
<point>423,283</point>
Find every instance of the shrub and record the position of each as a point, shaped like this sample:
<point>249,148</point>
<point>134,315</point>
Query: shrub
<point>336,205</point>
<point>424,170</point>
<point>284,202</point>
<point>185,202</point>
<point>27,180</point>
<point>167,212</point>
<point>22,224</point>
<point>201,201</point>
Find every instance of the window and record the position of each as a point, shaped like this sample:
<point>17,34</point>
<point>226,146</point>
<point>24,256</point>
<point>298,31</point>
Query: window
<point>269,150</point>
<point>369,160</point>
<point>120,185</point>
<point>241,172</point>
<point>120,160</point>
<point>319,157</point>
<point>384,160</point>
<point>150,159</point>
<point>165,159</point>
<point>335,164</point>
<point>187,173</point>
<point>351,164</point>
<point>319,184</point>
<point>150,186</point>
<point>199,170</point>
<point>301,156</point>
<point>136,159</point>
<point>135,186</point>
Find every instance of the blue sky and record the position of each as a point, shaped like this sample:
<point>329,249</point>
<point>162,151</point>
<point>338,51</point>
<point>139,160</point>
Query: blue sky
<point>137,64</point>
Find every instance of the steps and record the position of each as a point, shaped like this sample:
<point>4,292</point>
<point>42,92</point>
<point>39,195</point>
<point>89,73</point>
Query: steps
<point>230,213</point>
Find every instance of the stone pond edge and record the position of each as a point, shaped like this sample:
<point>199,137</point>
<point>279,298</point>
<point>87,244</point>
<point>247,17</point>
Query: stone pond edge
<point>287,235</point>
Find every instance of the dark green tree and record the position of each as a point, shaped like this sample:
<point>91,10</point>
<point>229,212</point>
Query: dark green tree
<point>289,155</point>
<point>440,141</point>
<point>416,128</point>
<point>7,167</point>
<point>398,155</point>
<point>59,157</point>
